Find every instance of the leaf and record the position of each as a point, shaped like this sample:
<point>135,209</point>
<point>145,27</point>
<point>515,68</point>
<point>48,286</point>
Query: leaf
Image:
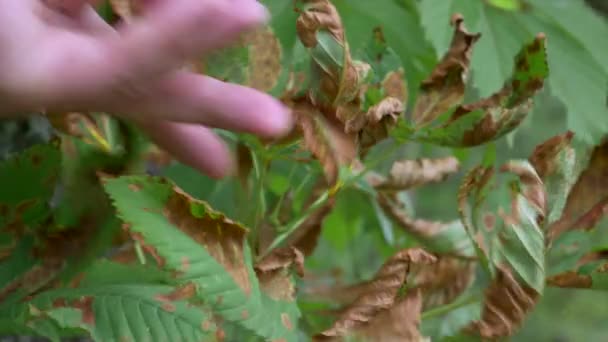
<point>206,249</point>
<point>490,118</point>
<point>507,302</point>
<point>274,273</point>
<point>379,297</point>
<point>135,312</point>
<point>587,201</point>
<point>28,182</point>
<point>266,55</point>
<point>502,238</point>
<point>578,77</point>
<point>336,77</point>
<point>445,87</point>
<point>325,139</point>
<point>448,238</point>
<point>443,281</point>
<point>379,120</point>
<point>407,174</point>
<point>554,161</point>
<point>591,273</point>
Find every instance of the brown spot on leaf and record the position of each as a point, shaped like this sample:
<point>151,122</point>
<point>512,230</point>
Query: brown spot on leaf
<point>36,159</point>
<point>206,325</point>
<point>135,187</point>
<point>274,272</point>
<point>286,321</point>
<point>570,279</point>
<point>84,304</point>
<point>264,59</point>
<point>185,264</point>
<point>220,335</point>
<point>244,314</point>
<point>394,85</point>
<point>160,261</point>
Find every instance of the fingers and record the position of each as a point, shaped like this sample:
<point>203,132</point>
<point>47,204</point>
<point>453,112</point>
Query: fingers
<point>78,65</point>
<point>193,145</point>
<point>69,7</point>
<point>171,32</point>
<point>192,98</point>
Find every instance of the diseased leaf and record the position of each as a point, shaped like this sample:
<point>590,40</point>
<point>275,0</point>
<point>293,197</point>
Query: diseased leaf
<point>206,249</point>
<point>587,201</point>
<point>265,59</point>
<point>490,118</point>
<point>28,181</point>
<point>326,140</point>
<point>507,303</point>
<point>379,120</point>
<point>591,273</point>
<point>445,87</point>
<point>379,297</point>
<point>443,281</point>
<point>408,174</point>
<point>274,273</point>
<point>554,161</point>
<point>501,237</point>
<point>135,312</point>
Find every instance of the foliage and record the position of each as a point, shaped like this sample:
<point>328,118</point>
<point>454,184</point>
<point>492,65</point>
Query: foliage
<point>92,244</point>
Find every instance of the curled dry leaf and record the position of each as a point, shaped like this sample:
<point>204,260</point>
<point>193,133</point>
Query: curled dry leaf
<point>378,121</point>
<point>446,238</point>
<point>265,55</point>
<point>443,281</point>
<point>378,296</point>
<point>325,140</point>
<point>407,174</point>
<point>274,273</point>
<point>445,87</point>
<point>554,161</point>
<point>587,201</point>
<point>126,9</point>
<point>336,77</point>
<point>506,305</point>
<point>399,323</point>
<point>394,85</point>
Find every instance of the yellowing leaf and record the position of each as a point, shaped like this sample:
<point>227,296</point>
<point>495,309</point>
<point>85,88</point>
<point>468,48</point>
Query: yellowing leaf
<point>445,87</point>
<point>379,297</point>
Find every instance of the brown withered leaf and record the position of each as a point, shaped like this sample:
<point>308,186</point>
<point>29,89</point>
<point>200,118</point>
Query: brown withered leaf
<point>543,158</point>
<point>446,238</point>
<point>443,281</point>
<point>445,87</point>
<point>222,238</point>
<point>591,272</point>
<point>274,272</point>
<point>325,140</point>
<point>265,55</point>
<point>320,15</point>
<point>407,174</point>
<point>399,323</point>
<point>377,295</point>
<point>506,305</point>
<point>126,9</point>
<point>588,199</point>
<point>394,85</point>
<point>379,119</point>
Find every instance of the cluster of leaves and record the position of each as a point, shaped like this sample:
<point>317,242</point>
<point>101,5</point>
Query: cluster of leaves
<point>90,243</point>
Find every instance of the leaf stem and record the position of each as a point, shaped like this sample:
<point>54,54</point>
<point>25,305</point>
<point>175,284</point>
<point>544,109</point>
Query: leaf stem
<point>442,310</point>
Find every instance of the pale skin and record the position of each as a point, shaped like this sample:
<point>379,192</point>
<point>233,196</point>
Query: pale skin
<point>60,56</point>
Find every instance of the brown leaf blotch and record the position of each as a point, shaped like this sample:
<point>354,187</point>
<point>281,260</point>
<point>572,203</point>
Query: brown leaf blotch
<point>286,321</point>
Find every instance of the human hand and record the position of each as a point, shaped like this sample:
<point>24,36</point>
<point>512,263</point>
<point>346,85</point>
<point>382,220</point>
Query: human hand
<point>60,56</point>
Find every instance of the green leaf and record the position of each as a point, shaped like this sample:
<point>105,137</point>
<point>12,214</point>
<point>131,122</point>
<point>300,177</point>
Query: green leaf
<point>136,312</point>
<point>205,249</point>
<point>28,182</point>
<point>502,236</point>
